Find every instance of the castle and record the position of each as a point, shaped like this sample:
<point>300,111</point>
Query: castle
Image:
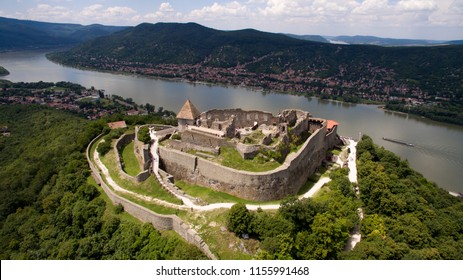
<point>294,139</point>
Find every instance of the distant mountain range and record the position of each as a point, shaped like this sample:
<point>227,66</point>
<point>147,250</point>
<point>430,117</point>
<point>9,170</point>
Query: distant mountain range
<point>372,40</point>
<point>314,38</point>
<point>26,34</point>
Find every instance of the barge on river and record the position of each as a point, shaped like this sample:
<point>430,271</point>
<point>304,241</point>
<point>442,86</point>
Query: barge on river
<point>398,142</point>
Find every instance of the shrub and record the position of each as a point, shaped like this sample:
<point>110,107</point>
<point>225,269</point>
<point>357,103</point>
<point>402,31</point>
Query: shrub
<point>104,147</point>
<point>119,208</point>
<point>239,219</point>
<point>144,135</point>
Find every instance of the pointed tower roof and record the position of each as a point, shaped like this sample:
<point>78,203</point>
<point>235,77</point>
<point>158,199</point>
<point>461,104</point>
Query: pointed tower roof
<point>188,111</point>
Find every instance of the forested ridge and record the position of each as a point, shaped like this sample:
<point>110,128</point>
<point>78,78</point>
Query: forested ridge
<point>422,80</point>
<point>51,209</point>
<point>434,70</point>
<point>27,34</point>
<point>406,216</point>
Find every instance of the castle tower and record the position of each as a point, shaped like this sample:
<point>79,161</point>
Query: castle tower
<point>187,115</point>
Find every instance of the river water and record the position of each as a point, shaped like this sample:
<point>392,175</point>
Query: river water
<point>437,151</point>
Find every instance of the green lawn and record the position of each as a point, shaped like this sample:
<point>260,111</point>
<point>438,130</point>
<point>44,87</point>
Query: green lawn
<point>211,196</point>
<point>131,165</point>
<point>230,157</point>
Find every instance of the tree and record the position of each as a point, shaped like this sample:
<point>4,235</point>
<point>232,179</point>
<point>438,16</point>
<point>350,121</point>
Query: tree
<point>144,135</point>
<point>277,248</point>
<point>149,108</point>
<point>300,212</point>
<point>329,235</point>
<point>239,219</point>
<point>104,147</point>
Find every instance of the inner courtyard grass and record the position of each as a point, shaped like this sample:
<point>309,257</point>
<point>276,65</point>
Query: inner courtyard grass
<point>131,165</point>
<point>230,157</point>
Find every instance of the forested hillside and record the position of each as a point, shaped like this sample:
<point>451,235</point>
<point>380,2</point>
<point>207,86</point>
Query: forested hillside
<point>406,216</point>
<point>421,79</point>
<point>309,228</point>
<point>436,70</point>
<point>22,34</point>
<point>49,206</point>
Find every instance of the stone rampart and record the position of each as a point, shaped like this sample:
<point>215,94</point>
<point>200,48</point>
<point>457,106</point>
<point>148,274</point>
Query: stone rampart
<point>332,138</point>
<point>141,151</point>
<point>242,118</point>
<point>261,186</point>
<point>123,141</point>
<point>202,139</point>
<point>160,222</point>
<point>185,146</point>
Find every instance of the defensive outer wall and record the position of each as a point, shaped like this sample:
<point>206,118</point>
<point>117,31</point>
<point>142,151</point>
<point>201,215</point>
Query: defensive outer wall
<point>259,186</point>
<point>161,222</point>
<point>123,141</point>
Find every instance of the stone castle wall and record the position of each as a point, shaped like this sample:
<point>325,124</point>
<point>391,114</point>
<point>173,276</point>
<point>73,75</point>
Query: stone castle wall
<point>160,222</point>
<point>185,146</point>
<point>141,151</point>
<point>123,141</point>
<point>261,186</point>
<point>203,139</point>
<point>242,118</point>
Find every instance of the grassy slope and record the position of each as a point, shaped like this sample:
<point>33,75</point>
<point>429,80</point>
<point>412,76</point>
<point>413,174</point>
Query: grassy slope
<point>131,165</point>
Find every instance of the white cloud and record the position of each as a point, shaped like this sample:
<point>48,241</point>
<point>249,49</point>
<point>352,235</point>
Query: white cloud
<point>111,15</point>
<point>416,5</point>
<point>92,11</point>
<point>165,13</point>
<point>46,12</point>
<point>166,7</point>
<point>456,6</point>
<point>118,12</point>
<point>220,11</point>
<point>369,7</point>
<point>449,13</point>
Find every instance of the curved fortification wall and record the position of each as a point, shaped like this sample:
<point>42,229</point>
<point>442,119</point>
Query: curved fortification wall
<point>123,141</point>
<point>260,186</point>
<point>161,222</point>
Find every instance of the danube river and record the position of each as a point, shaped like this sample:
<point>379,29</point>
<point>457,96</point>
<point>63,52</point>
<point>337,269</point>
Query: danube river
<point>437,152</point>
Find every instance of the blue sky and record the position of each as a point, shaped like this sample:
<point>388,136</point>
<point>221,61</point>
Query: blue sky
<point>417,19</point>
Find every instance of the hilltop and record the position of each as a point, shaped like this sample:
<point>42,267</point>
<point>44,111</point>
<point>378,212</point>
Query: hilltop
<point>25,34</point>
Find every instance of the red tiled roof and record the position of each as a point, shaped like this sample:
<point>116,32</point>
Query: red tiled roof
<point>331,124</point>
<point>114,125</point>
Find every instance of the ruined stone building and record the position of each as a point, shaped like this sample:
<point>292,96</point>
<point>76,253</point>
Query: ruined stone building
<point>251,133</point>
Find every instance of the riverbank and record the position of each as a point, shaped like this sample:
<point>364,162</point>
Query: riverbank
<point>3,71</point>
<point>438,143</point>
<point>258,82</point>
